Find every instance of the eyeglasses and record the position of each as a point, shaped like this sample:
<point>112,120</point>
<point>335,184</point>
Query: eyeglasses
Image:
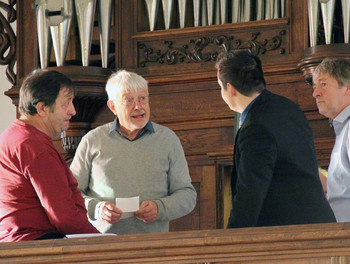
<point>129,100</point>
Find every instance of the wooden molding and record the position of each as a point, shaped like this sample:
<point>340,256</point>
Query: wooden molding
<point>314,55</point>
<point>302,244</point>
<point>194,50</point>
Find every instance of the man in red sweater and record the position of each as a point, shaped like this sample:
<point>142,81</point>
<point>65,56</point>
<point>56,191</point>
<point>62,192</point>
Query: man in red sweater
<point>39,198</point>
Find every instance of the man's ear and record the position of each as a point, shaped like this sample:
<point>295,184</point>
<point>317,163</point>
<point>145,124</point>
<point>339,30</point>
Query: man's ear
<point>347,92</point>
<point>111,106</point>
<point>231,89</point>
<point>41,109</point>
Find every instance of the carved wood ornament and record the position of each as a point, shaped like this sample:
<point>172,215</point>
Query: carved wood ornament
<point>195,50</point>
<point>8,40</point>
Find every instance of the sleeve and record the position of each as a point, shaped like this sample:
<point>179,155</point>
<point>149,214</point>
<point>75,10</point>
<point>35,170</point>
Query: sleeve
<point>81,169</point>
<point>255,166</point>
<point>347,145</point>
<point>182,195</point>
<point>58,194</point>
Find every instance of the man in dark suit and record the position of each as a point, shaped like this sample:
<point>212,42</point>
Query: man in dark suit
<point>275,175</point>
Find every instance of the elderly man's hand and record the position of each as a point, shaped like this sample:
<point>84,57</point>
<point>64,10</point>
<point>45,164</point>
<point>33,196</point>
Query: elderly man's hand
<point>147,212</point>
<point>110,213</point>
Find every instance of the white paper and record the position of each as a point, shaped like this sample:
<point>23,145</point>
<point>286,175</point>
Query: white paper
<point>128,206</point>
<point>89,235</point>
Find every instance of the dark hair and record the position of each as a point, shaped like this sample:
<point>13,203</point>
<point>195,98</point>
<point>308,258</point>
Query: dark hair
<point>42,86</point>
<point>241,69</point>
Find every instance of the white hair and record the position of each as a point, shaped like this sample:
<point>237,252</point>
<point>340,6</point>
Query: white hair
<point>122,82</point>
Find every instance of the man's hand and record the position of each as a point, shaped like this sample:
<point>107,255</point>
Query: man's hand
<point>110,213</point>
<point>148,212</point>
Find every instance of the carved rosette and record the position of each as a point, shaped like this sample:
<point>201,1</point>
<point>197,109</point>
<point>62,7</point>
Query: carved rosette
<point>196,50</point>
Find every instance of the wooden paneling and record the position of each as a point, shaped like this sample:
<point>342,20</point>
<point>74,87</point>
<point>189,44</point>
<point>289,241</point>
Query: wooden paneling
<point>304,244</point>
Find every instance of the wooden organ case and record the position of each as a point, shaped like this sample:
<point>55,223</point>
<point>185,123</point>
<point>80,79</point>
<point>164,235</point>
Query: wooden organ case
<point>179,65</point>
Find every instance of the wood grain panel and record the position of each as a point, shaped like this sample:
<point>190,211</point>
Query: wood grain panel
<point>303,244</point>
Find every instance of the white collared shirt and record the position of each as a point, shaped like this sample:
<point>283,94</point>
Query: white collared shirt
<point>338,181</point>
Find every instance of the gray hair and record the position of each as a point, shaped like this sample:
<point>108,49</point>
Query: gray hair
<point>122,82</point>
<point>339,69</point>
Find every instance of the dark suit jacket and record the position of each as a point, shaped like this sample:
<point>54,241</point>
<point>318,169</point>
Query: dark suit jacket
<point>275,174</point>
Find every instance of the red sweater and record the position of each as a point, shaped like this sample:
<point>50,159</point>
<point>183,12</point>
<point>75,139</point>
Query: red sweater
<point>38,193</point>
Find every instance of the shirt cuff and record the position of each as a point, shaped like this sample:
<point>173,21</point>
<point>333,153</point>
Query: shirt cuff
<point>98,210</point>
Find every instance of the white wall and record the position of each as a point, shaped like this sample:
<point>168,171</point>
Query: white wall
<point>7,109</point>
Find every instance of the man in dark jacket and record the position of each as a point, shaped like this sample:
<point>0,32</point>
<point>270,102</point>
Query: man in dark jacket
<point>275,174</point>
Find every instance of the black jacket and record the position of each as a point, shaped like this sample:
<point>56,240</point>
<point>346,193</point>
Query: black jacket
<point>275,174</point>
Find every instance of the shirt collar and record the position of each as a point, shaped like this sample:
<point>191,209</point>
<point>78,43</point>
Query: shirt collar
<point>115,127</point>
<point>343,115</point>
<point>246,110</point>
